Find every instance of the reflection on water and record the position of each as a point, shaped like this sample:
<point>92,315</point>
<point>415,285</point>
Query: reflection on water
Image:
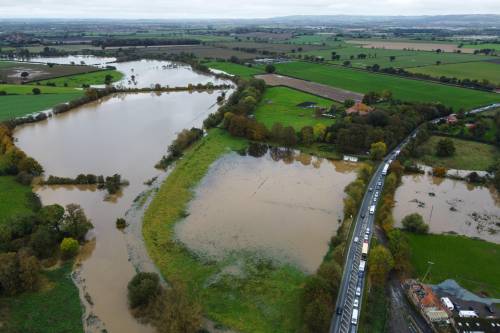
<point>280,205</point>
<point>75,59</point>
<point>450,206</point>
<point>125,134</point>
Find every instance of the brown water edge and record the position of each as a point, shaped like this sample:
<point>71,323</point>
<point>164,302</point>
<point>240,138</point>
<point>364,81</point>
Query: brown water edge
<point>449,205</point>
<point>125,134</point>
<point>279,206</point>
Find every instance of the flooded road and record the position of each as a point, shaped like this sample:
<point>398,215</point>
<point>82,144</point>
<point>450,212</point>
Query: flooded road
<point>282,206</point>
<point>450,206</point>
<point>125,134</point>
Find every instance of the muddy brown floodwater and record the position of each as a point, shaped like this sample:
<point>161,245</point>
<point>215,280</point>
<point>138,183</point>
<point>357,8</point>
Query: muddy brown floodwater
<point>450,206</point>
<point>279,206</point>
<point>125,134</point>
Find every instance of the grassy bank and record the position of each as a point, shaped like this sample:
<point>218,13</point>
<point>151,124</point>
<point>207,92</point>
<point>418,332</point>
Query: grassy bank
<point>14,198</point>
<point>235,69</point>
<point>279,104</point>
<point>474,264</point>
<point>469,155</point>
<point>79,80</point>
<point>55,308</point>
<point>261,298</point>
<point>404,89</point>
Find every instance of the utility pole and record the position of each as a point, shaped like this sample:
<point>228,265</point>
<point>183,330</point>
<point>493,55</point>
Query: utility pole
<point>428,270</point>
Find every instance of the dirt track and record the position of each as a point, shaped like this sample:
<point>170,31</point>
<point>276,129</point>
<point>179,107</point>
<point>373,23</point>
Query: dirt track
<point>310,87</point>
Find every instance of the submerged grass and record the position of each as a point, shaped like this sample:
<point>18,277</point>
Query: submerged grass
<point>259,297</point>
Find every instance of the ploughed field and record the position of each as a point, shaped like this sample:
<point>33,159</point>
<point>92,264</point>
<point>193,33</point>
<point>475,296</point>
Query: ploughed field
<point>402,88</point>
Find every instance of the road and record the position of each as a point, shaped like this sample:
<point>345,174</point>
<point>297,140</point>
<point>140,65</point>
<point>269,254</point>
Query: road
<point>352,279</point>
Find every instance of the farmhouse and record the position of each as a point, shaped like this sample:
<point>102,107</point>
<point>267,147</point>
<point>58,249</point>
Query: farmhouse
<point>452,119</point>
<point>359,108</point>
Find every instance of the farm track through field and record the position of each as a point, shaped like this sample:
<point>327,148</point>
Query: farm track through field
<point>314,88</point>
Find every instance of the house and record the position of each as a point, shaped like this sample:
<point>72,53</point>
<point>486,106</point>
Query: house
<point>452,119</point>
<point>359,108</point>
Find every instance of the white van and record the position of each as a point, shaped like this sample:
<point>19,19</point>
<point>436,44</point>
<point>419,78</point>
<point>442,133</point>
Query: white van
<point>372,209</point>
<point>354,319</point>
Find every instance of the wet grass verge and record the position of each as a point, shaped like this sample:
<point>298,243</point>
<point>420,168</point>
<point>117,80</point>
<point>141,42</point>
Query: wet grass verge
<point>241,292</point>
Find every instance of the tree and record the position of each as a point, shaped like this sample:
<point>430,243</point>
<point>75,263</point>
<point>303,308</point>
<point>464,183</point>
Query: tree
<point>142,289</point>
<point>307,135</point>
<point>51,216</point>
<point>415,223</point>
<point>378,150</point>
<point>277,132</point>
<point>400,249</point>
<point>386,95</point>
<point>380,264</point>
<point>445,147</point>
<point>75,224</point>
<point>36,91</point>
<point>317,304</point>
<point>121,223</point>
<point>348,103</point>
<point>270,69</point>
<point>289,136</point>
<point>179,314</point>
<point>69,247</point>
<point>371,97</point>
<point>24,75</point>
<point>29,271</point>
<point>43,241</point>
<point>439,171</point>
<point>9,274</point>
<point>392,58</point>
<point>346,63</point>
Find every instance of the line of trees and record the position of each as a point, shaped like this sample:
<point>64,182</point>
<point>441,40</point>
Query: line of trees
<point>114,42</point>
<point>112,184</point>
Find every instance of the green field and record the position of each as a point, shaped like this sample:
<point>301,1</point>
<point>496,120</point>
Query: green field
<point>404,58</point>
<point>474,264</point>
<point>469,155</point>
<point>14,198</point>
<point>279,104</point>
<point>235,69</point>
<point>494,46</point>
<point>78,80</point>
<point>25,89</point>
<point>404,89</point>
<point>477,70</point>
<point>55,308</point>
<point>20,105</point>
<point>264,298</point>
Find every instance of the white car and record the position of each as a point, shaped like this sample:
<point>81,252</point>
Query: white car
<point>356,239</point>
<point>368,230</point>
<point>356,303</point>
<point>376,194</point>
<point>366,237</point>
<point>358,291</point>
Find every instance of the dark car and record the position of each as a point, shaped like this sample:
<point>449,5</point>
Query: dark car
<point>489,308</point>
<point>363,215</point>
<point>339,311</point>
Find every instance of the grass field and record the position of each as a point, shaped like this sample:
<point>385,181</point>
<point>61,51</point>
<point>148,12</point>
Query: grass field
<point>471,70</point>
<point>263,299</point>
<point>469,155</point>
<point>25,89</point>
<point>20,105</point>
<point>55,308</point>
<point>279,104</point>
<point>403,58</point>
<point>94,78</point>
<point>13,198</point>
<point>404,89</point>
<point>235,69</point>
<point>494,46</point>
<point>474,264</point>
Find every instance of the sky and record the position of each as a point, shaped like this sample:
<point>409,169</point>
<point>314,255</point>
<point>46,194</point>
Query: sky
<point>182,9</point>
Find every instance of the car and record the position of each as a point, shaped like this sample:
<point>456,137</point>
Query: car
<point>339,311</point>
<point>370,189</point>
<point>368,230</point>
<point>379,184</point>
<point>376,194</point>
<point>489,308</point>
<point>356,303</point>
<point>375,199</point>
<point>360,274</point>
<point>356,239</point>
<point>366,237</point>
<point>363,215</point>
<point>358,291</point>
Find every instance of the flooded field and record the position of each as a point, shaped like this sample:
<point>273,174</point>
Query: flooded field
<point>450,206</point>
<point>125,134</point>
<point>142,73</point>
<point>281,205</point>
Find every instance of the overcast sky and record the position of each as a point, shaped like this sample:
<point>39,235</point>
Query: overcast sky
<point>237,9</point>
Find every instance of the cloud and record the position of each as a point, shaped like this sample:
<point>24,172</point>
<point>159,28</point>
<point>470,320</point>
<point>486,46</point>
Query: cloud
<point>167,9</point>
